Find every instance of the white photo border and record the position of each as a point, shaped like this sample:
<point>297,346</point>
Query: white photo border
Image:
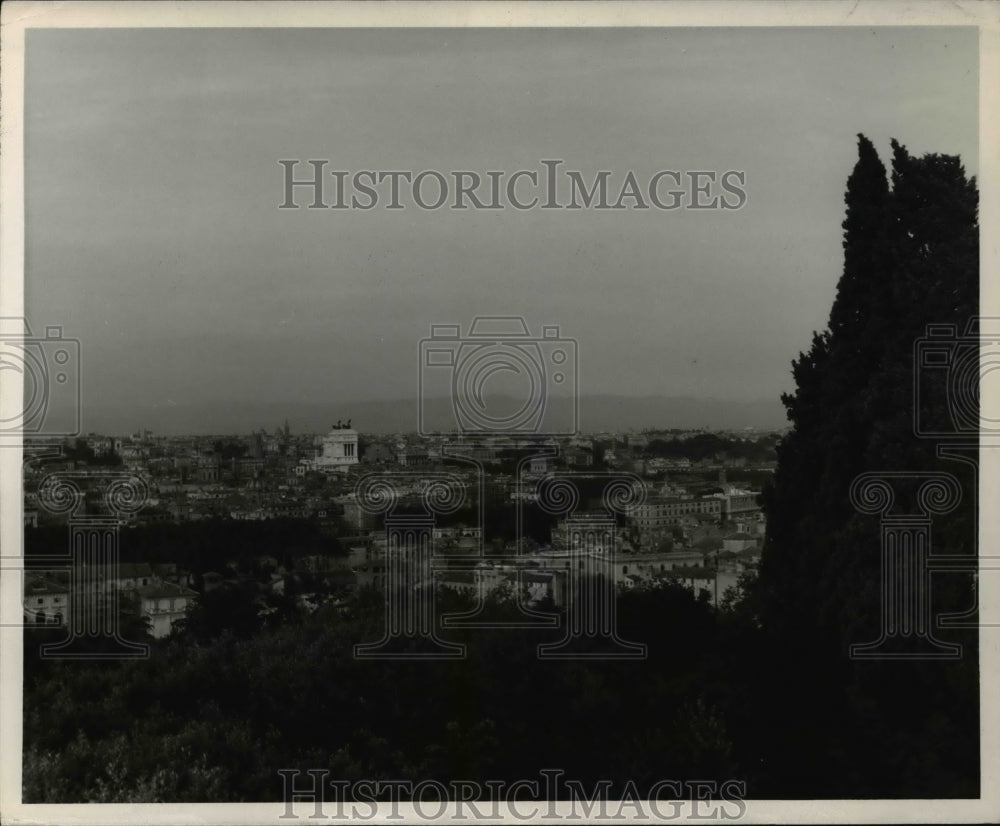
<point>19,17</point>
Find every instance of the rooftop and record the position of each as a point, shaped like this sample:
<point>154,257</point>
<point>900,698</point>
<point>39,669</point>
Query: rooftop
<point>164,589</point>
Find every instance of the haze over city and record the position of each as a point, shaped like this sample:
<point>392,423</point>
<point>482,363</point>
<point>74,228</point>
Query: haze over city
<point>154,234</point>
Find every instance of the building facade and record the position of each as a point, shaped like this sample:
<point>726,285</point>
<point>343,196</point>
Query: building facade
<point>339,452</point>
<point>657,516</point>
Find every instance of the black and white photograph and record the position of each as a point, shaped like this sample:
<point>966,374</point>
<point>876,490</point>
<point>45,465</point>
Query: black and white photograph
<point>493,412</point>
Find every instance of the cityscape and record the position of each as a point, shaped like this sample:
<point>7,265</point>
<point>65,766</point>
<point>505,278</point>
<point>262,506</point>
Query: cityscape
<point>699,524</point>
<point>544,421</point>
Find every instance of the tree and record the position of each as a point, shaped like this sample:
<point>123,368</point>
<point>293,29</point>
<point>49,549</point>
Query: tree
<point>225,609</point>
<point>910,259</point>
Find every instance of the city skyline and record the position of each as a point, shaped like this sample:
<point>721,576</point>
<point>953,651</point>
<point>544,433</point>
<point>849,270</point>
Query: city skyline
<point>597,414</point>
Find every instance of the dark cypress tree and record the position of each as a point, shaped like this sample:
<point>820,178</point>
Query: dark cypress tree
<point>865,238</point>
<point>822,452</point>
<point>910,259</point>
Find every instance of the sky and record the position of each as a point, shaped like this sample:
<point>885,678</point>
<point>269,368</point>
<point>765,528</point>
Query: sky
<point>153,185</point>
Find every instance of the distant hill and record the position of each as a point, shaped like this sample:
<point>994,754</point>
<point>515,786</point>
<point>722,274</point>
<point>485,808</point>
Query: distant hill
<point>596,413</point>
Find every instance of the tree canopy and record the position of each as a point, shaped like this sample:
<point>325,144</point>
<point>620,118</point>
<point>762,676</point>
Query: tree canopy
<point>910,260</point>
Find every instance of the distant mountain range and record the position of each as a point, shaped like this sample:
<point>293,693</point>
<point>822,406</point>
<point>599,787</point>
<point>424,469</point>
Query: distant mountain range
<point>596,413</point>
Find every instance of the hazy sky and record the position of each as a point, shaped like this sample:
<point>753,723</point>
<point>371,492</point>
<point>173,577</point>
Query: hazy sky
<point>152,191</point>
